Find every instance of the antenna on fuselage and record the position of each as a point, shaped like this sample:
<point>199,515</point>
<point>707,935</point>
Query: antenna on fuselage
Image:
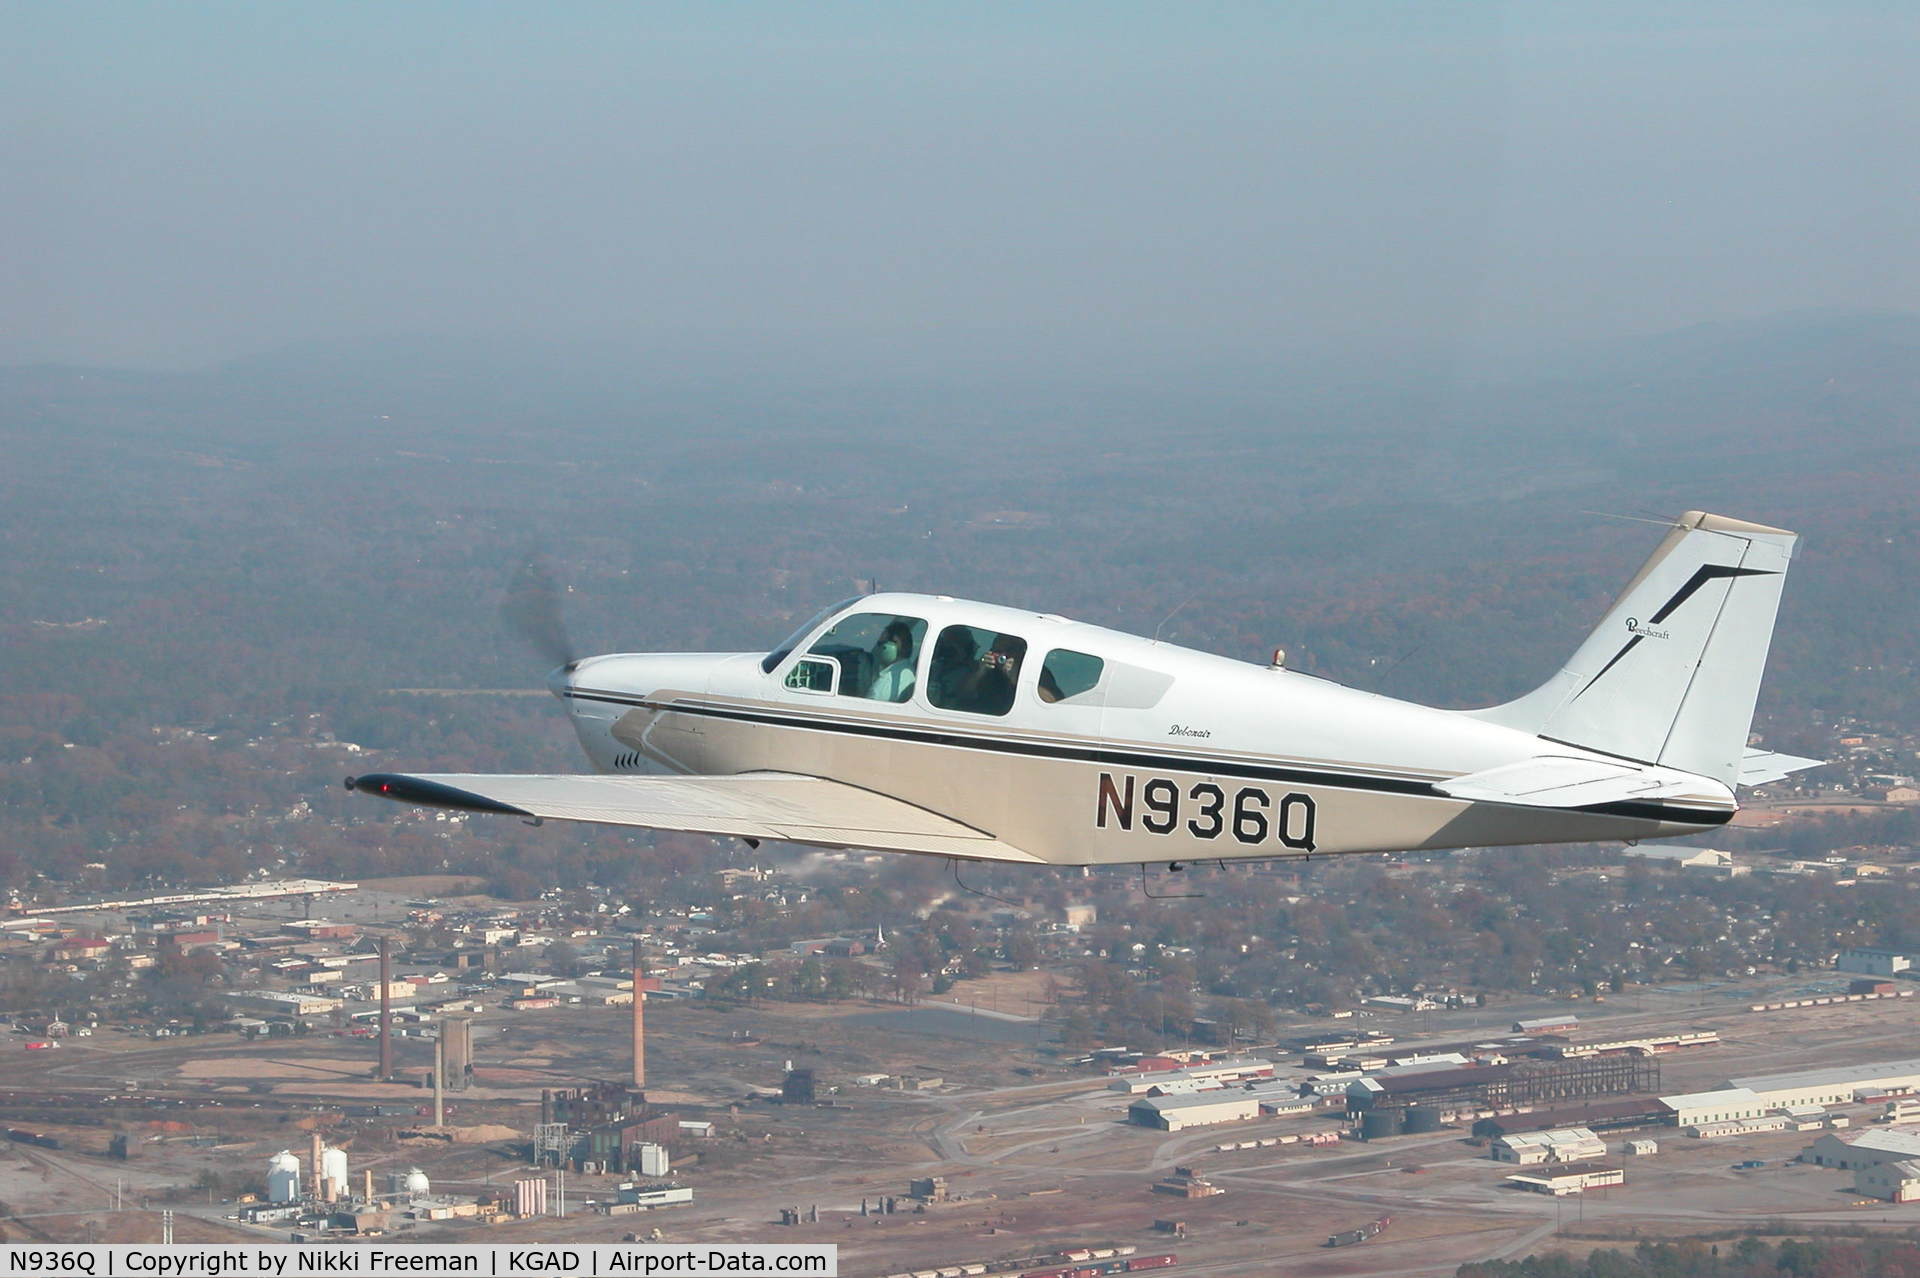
<point>1147,891</point>
<point>964,886</point>
<point>1176,612</point>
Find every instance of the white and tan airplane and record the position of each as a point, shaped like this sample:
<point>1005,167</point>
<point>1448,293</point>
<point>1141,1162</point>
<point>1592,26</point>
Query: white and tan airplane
<point>922,723</point>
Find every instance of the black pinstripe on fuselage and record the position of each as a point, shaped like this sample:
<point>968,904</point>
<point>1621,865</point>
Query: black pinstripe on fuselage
<point>1115,755</point>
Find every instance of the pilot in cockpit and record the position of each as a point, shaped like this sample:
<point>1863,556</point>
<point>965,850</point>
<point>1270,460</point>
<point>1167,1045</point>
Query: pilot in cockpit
<point>893,662</point>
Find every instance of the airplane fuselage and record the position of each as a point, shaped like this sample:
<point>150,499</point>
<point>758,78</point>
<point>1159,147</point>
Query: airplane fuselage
<point>1170,754</point>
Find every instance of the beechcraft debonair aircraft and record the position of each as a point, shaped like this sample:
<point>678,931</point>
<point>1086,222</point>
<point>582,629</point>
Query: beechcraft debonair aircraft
<point>922,723</point>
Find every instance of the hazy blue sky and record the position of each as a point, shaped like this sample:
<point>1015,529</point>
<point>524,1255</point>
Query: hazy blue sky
<point>188,183</point>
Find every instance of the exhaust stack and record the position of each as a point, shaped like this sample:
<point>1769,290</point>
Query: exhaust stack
<point>639,1020</point>
<point>386,1009</point>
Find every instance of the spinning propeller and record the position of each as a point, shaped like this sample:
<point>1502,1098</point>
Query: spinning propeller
<point>532,610</point>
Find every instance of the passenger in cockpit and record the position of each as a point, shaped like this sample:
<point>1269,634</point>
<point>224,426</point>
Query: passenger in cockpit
<point>1049,687</point>
<point>989,688</point>
<point>953,661</point>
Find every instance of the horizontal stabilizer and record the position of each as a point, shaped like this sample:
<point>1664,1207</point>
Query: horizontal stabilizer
<point>1562,781</point>
<point>1757,767</point>
<point>749,805</point>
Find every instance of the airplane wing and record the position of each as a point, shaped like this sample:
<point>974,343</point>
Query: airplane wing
<point>1757,767</point>
<point>748,805</point>
<point>1561,781</point>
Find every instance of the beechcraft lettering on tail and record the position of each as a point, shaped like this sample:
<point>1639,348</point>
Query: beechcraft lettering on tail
<point>934,725</point>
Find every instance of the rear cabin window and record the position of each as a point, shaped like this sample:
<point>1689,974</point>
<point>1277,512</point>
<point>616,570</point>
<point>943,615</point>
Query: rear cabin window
<point>877,654</point>
<point>1067,674</point>
<point>975,670</point>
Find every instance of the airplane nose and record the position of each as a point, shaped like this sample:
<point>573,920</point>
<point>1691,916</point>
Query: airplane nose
<point>560,682</point>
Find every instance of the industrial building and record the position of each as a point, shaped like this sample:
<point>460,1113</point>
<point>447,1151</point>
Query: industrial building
<point>1418,1065</point>
<point>1683,857</point>
<point>1193,1077</point>
<point>1646,1044</point>
<point>1175,1113</point>
<point>1573,1178</point>
<point>1837,1085</point>
<point>1727,1105</point>
<point>1895,1182</point>
<point>279,1003</point>
<point>1496,1051</point>
<point>1798,1095</point>
<point>1547,1024</point>
<point>1186,1182</point>
<point>603,1127</point>
<point>1401,1003</point>
<point>1509,1086</point>
<point>1873,962</point>
<point>1625,1114</point>
<point>1564,1145</point>
<point>1742,1127</point>
<point>1868,1149</point>
<point>320,1195</point>
<point>633,1197</point>
<point>1283,1106</point>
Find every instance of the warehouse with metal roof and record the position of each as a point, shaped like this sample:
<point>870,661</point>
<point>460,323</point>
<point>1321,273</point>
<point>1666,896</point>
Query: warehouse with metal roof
<point>1834,1085</point>
<point>1869,1149</point>
<point>1175,1113</point>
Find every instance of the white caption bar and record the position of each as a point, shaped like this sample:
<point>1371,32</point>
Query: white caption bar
<point>300,1260</point>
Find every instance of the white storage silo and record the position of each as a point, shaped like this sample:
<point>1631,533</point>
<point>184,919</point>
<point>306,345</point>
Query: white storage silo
<point>333,1173</point>
<point>283,1177</point>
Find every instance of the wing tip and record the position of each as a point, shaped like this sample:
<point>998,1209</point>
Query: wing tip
<point>433,794</point>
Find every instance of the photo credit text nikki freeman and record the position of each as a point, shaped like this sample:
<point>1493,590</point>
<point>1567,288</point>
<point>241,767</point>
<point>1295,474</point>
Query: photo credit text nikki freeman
<point>285,1260</point>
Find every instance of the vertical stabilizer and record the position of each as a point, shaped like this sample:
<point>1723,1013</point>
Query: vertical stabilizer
<point>1672,673</point>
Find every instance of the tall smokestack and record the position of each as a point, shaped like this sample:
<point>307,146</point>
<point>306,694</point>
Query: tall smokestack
<point>440,1081</point>
<point>319,1181</point>
<point>639,1019</point>
<point>386,1009</point>
<point>457,1033</point>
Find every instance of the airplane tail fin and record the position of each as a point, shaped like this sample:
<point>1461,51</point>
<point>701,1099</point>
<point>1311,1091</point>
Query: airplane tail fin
<point>1670,676</point>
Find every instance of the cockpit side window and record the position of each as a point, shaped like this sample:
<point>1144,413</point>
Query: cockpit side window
<point>1066,675</point>
<point>792,641</point>
<point>975,670</point>
<point>877,653</point>
<point>814,674</point>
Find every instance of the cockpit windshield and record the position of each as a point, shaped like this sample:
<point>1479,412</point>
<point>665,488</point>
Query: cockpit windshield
<point>806,628</point>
